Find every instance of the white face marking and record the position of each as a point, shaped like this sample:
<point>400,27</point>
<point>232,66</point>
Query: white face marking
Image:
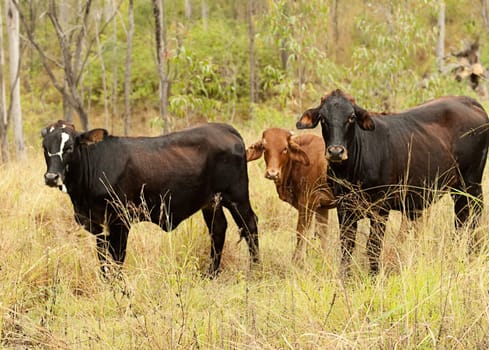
<point>64,137</point>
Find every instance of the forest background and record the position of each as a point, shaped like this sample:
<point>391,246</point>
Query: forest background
<point>148,67</point>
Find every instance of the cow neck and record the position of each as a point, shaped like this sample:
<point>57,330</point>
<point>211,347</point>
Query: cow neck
<point>76,179</point>
<point>350,170</point>
<point>286,188</point>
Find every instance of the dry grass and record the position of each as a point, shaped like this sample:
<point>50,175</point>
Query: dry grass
<point>430,293</point>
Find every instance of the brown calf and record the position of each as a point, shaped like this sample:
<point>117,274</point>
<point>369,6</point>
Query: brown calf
<point>298,167</point>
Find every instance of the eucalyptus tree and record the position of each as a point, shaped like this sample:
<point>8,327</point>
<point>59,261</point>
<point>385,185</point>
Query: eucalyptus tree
<point>14,74</point>
<point>75,39</point>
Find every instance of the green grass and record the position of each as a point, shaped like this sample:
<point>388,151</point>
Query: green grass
<point>429,294</point>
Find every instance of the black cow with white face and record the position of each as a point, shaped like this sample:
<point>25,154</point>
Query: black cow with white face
<point>401,161</point>
<point>114,180</point>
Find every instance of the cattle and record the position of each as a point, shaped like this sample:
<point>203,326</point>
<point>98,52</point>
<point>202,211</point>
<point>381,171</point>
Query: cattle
<point>114,180</point>
<point>297,166</point>
<point>402,161</point>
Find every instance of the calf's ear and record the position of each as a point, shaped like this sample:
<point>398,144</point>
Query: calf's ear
<point>255,151</point>
<point>309,119</point>
<point>297,154</point>
<point>364,119</point>
<point>92,136</point>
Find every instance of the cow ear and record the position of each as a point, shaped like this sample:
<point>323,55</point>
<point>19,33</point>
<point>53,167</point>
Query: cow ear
<point>309,119</point>
<point>297,154</point>
<point>255,151</point>
<point>92,136</point>
<point>364,119</point>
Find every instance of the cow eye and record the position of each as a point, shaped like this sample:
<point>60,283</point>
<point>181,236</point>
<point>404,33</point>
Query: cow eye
<point>284,150</point>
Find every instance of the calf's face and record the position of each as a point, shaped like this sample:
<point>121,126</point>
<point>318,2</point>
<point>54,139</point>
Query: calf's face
<point>58,144</point>
<point>278,149</point>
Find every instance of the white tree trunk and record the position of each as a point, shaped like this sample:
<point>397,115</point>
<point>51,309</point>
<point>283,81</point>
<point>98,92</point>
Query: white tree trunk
<point>104,75</point>
<point>14,65</point>
<point>160,39</point>
<point>3,100</point>
<point>440,44</point>
<point>127,75</point>
<point>188,9</point>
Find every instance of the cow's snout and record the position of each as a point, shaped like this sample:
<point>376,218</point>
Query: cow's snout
<point>52,179</point>
<point>336,153</point>
<point>272,174</point>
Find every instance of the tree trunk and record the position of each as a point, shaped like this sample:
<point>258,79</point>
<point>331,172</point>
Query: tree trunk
<point>14,64</point>
<point>127,75</point>
<point>334,21</point>
<point>161,50</point>
<point>205,14</point>
<point>104,75</point>
<point>188,10</point>
<point>440,43</point>
<point>251,31</point>
<point>115,80</point>
<point>485,18</point>
<point>3,100</point>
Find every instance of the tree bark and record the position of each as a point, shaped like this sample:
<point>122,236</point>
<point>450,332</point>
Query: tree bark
<point>485,18</point>
<point>115,80</point>
<point>161,52</point>
<point>251,32</point>
<point>14,64</point>
<point>334,21</point>
<point>127,75</point>
<point>3,99</point>
<point>188,9</point>
<point>205,14</point>
<point>440,43</point>
<point>104,76</point>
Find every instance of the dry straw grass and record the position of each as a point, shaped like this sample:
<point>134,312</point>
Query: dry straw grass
<point>429,294</point>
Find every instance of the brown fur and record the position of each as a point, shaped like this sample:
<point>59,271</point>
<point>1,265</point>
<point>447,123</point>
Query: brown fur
<point>298,168</point>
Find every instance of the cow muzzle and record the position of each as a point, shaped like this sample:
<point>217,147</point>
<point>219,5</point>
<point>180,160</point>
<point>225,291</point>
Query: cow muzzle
<point>272,174</point>
<point>336,154</point>
<point>53,179</point>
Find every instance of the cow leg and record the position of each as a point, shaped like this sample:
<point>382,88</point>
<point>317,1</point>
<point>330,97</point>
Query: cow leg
<point>348,232</point>
<point>303,223</point>
<point>375,240</point>
<point>117,239</point>
<point>468,210</point>
<point>468,207</point>
<point>247,221</point>
<point>217,224</point>
<point>322,216</point>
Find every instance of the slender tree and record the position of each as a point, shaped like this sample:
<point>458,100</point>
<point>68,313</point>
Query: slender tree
<point>75,45</point>
<point>440,43</point>
<point>161,53</point>
<point>14,64</point>
<point>251,49</point>
<point>485,18</point>
<point>3,100</point>
<point>104,74</point>
<point>188,9</point>
<point>127,75</point>
<point>205,14</point>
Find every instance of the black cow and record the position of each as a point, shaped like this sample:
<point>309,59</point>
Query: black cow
<point>113,180</point>
<point>400,162</point>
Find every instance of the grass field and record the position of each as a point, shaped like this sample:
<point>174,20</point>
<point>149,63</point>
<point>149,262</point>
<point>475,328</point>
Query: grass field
<point>429,294</point>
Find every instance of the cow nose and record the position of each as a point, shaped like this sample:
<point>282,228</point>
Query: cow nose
<point>272,174</point>
<point>337,153</point>
<point>51,179</point>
